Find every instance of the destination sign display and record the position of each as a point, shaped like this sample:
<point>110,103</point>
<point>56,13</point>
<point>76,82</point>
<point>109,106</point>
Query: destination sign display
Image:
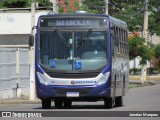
<point>73,22</point>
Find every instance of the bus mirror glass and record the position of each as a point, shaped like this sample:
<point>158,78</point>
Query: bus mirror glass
<point>31,40</point>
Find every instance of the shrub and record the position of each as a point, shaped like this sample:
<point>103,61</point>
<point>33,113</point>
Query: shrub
<point>135,71</point>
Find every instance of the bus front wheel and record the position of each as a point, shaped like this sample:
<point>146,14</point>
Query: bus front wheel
<point>46,103</point>
<point>108,103</point>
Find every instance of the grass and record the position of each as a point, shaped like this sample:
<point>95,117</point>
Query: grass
<point>148,77</point>
<point>132,86</point>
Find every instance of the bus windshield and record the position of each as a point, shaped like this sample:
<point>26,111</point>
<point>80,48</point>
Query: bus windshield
<point>69,50</point>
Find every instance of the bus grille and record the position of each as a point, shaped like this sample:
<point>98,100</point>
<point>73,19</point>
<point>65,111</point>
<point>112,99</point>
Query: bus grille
<point>63,91</point>
<point>73,75</point>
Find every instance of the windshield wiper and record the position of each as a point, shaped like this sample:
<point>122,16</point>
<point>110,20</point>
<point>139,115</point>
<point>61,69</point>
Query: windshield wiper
<point>62,38</point>
<point>84,38</point>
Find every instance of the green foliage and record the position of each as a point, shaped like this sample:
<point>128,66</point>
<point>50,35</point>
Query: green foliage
<point>137,47</point>
<point>2,4</point>
<point>14,4</point>
<point>157,51</point>
<point>60,10</point>
<point>22,3</point>
<point>153,70</point>
<point>44,2</point>
<point>134,46</point>
<point>135,71</point>
<point>66,2</point>
<point>131,11</point>
<point>69,9</point>
<point>93,6</point>
<point>146,54</point>
<point>84,7</point>
<point>76,3</point>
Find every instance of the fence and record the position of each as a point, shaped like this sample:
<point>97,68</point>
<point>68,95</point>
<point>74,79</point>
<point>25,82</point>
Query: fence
<point>14,72</point>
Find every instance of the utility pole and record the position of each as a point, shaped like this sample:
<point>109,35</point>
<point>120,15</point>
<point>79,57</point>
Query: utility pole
<point>55,6</point>
<point>106,6</point>
<point>145,35</point>
<point>32,55</point>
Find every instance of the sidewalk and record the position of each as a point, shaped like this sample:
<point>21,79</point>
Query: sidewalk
<point>19,101</point>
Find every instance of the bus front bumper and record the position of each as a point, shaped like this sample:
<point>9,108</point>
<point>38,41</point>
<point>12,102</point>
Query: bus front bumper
<point>50,91</point>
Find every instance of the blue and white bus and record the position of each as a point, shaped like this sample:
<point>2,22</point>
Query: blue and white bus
<point>81,57</point>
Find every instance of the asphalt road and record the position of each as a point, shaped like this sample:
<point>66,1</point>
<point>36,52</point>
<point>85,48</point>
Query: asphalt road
<point>137,99</point>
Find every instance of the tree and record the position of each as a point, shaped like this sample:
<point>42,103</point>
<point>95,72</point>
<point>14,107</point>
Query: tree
<point>14,4</point>
<point>131,11</point>
<point>94,6</point>
<point>137,47</point>
<point>157,54</point>
<point>42,3</point>
<point>157,50</point>
<point>22,3</point>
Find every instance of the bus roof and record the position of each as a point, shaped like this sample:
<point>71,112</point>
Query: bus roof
<point>118,22</point>
<point>74,14</point>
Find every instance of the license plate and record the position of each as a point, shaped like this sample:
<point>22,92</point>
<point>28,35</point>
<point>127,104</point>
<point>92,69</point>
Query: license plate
<point>72,94</point>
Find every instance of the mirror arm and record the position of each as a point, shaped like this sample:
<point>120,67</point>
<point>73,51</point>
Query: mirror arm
<point>34,27</point>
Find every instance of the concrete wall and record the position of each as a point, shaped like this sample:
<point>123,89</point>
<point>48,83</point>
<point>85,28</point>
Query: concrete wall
<point>14,39</point>
<point>18,22</point>
<point>14,72</point>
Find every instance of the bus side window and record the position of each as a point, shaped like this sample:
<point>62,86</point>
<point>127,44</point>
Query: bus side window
<point>126,40</point>
<point>114,35</point>
<point>114,39</point>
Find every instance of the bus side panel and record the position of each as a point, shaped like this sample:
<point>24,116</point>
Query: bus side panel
<point>120,61</point>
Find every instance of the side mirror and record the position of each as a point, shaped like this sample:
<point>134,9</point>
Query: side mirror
<point>31,40</point>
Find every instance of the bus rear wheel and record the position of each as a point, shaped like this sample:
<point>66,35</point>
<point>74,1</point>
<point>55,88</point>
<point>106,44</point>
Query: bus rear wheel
<point>119,101</point>
<point>46,103</point>
<point>58,103</point>
<point>108,103</point>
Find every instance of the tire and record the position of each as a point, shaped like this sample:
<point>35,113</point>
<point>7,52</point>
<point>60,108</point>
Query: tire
<point>119,101</point>
<point>67,104</point>
<point>123,87</point>
<point>58,103</point>
<point>109,103</point>
<point>46,103</point>
<point>123,90</point>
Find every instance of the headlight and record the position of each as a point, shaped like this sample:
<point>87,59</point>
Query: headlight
<point>41,78</point>
<point>103,79</point>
